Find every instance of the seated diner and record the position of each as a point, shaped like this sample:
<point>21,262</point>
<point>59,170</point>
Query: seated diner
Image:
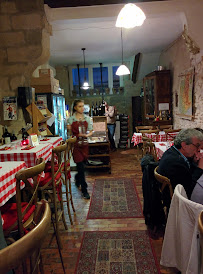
<point>181,163</point>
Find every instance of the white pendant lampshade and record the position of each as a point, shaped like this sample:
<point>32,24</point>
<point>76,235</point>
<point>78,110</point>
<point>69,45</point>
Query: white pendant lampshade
<point>130,16</point>
<point>85,85</point>
<point>122,70</point>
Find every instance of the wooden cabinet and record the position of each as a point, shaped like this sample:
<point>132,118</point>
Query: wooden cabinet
<point>99,156</point>
<point>157,95</point>
<point>99,146</point>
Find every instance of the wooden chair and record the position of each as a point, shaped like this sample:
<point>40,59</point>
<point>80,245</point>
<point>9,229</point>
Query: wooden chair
<point>165,182</point>
<point>163,127</point>
<point>156,131</point>
<point>67,181</point>
<point>29,245</point>
<point>200,225</point>
<point>21,214</point>
<point>168,133</point>
<point>149,148</point>
<point>138,128</point>
<point>50,186</point>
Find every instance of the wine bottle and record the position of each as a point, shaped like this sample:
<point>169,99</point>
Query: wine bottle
<point>99,109</point>
<point>103,108</point>
<point>96,110</point>
<point>92,109</point>
<point>6,136</point>
<point>13,137</point>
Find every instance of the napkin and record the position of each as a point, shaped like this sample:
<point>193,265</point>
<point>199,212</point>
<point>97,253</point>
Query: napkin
<point>162,144</point>
<point>45,139</point>
<point>5,148</point>
<point>27,148</point>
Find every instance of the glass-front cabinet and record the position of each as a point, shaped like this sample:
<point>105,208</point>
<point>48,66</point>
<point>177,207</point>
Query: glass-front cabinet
<point>157,95</point>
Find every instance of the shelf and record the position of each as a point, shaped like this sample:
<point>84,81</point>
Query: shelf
<point>98,155</point>
<point>99,166</point>
<point>38,118</point>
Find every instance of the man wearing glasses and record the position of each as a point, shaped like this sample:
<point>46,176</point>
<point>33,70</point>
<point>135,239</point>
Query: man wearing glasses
<point>182,163</point>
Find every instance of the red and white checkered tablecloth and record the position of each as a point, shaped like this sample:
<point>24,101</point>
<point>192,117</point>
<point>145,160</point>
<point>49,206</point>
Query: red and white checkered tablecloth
<point>137,137</point>
<point>7,179</point>
<point>161,147</point>
<point>55,141</point>
<point>28,156</point>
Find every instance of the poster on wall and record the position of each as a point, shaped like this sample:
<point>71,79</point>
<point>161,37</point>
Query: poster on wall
<point>185,97</point>
<point>10,108</point>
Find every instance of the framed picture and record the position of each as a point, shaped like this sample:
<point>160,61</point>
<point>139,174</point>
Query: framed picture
<point>185,96</point>
<point>10,108</point>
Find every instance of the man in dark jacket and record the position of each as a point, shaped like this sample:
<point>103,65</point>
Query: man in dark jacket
<point>177,162</point>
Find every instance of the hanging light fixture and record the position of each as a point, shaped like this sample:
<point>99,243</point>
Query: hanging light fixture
<point>85,84</point>
<point>130,16</point>
<point>122,69</point>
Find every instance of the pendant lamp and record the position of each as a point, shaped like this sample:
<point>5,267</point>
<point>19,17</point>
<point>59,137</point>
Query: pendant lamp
<point>85,84</point>
<point>130,16</point>
<point>122,69</point>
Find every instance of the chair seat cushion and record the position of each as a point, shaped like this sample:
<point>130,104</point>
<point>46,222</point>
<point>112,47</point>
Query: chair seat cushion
<point>48,168</point>
<point>44,180</point>
<point>9,214</point>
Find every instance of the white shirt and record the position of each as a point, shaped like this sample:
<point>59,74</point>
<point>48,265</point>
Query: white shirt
<point>181,241</point>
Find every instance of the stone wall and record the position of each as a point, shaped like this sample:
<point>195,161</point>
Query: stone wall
<point>24,45</point>
<point>177,59</point>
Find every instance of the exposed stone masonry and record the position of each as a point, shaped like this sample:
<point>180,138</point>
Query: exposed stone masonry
<point>24,45</point>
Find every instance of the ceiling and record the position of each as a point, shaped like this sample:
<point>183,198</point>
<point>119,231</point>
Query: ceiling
<point>94,28</point>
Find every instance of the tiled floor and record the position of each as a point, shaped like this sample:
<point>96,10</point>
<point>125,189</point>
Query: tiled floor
<point>125,163</point>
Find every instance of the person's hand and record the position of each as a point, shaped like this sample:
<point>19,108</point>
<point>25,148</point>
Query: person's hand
<point>197,156</point>
<point>200,163</point>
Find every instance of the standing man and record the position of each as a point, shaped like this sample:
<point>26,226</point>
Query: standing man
<point>110,113</point>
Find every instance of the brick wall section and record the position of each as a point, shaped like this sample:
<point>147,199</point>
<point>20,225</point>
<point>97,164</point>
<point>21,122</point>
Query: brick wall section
<point>24,45</point>
<point>177,59</point>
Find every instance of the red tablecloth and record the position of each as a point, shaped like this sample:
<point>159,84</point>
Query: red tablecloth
<point>8,181</point>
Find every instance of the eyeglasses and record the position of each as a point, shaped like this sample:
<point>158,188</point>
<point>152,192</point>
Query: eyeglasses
<point>197,145</point>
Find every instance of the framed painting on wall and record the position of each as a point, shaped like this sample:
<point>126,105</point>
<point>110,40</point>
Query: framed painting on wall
<point>10,108</point>
<point>185,96</point>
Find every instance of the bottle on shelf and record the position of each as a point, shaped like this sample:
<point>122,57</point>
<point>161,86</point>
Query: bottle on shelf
<point>13,137</point>
<point>99,109</point>
<point>96,110</point>
<point>92,109</point>
<point>103,108</point>
<point>169,115</point>
<point>6,136</point>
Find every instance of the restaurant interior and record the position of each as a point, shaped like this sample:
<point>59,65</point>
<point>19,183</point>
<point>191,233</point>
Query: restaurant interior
<point>55,52</point>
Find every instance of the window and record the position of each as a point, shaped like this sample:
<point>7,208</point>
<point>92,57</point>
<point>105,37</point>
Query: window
<point>116,78</point>
<point>97,77</point>
<point>83,72</point>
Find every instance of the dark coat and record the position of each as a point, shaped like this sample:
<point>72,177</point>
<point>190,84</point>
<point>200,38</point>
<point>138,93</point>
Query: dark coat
<point>173,166</point>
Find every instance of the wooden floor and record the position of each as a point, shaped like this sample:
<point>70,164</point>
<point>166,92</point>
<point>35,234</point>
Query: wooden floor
<point>125,163</point>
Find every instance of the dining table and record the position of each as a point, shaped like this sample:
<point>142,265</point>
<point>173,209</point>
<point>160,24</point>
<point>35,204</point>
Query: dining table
<point>8,171</point>
<point>161,147</point>
<point>29,154</point>
<point>161,137</point>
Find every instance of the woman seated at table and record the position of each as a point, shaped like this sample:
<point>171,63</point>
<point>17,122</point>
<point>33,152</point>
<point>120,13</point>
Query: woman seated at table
<point>177,163</point>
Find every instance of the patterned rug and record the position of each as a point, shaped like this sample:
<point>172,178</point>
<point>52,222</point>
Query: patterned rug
<point>123,252</point>
<point>114,198</point>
